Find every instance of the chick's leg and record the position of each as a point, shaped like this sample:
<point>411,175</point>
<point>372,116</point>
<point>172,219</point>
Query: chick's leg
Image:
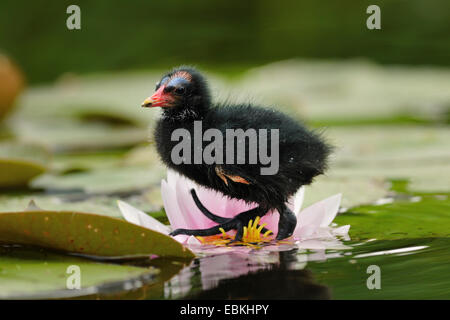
<point>236,223</point>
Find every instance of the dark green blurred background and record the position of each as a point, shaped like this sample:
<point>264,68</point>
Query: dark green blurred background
<point>224,35</point>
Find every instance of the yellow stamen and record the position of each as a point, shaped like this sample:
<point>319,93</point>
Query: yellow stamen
<point>224,234</point>
<point>251,236</point>
<point>267,233</point>
<point>256,222</point>
<point>261,227</point>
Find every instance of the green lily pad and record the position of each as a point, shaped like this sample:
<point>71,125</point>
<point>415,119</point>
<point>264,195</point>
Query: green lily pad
<point>422,216</point>
<point>85,161</point>
<point>105,180</point>
<point>367,158</point>
<point>66,134</point>
<point>351,90</point>
<point>111,96</point>
<point>86,233</point>
<point>26,273</point>
<point>98,205</point>
<point>19,163</point>
<point>104,205</point>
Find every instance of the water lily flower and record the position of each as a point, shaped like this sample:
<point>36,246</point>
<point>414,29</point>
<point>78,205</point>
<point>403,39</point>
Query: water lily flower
<point>314,224</point>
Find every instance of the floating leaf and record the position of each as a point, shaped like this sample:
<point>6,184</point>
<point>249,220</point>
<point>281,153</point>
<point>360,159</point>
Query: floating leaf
<point>111,96</point>
<point>26,273</point>
<point>19,163</point>
<point>422,216</point>
<point>349,90</point>
<point>66,134</point>
<point>103,205</point>
<point>107,180</point>
<point>86,233</point>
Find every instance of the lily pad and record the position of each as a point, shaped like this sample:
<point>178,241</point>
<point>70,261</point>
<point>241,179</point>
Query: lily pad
<point>355,89</point>
<point>66,134</point>
<point>106,180</point>
<point>27,273</point>
<point>99,205</point>
<point>112,96</point>
<point>86,233</point>
<point>421,216</point>
<point>363,164</point>
<point>19,163</point>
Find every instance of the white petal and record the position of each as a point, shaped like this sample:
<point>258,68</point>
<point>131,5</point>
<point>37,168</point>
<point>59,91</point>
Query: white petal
<point>298,200</point>
<point>342,231</point>
<point>323,233</point>
<point>295,202</point>
<point>136,216</point>
<point>193,241</point>
<point>331,208</point>
<point>193,218</point>
<point>312,244</point>
<point>181,238</point>
<point>172,176</point>
<point>309,220</point>
<point>304,232</point>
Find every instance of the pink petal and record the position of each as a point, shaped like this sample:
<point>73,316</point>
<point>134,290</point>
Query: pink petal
<point>271,218</point>
<point>173,212</point>
<point>133,215</point>
<point>212,200</point>
<point>234,207</point>
<point>194,218</point>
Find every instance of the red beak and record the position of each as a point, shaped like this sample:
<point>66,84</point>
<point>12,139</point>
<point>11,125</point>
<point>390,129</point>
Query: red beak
<point>156,100</point>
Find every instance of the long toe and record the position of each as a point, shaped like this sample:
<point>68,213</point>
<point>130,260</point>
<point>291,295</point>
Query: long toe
<point>200,232</point>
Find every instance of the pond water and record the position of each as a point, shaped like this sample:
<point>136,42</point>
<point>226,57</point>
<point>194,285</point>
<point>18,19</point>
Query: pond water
<point>404,267</point>
<point>409,269</point>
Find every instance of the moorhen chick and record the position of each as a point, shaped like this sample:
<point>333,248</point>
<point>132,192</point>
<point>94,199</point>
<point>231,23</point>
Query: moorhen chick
<point>301,154</point>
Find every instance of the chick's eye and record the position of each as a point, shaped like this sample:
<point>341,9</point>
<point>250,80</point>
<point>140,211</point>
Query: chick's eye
<point>180,90</point>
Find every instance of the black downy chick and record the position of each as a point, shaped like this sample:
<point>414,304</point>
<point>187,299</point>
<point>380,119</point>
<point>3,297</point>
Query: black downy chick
<point>184,97</point>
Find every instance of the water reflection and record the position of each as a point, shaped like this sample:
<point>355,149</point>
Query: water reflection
<point>250,275</point>
<point>288,272</point>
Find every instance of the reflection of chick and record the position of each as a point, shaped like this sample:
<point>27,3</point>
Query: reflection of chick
<point>274,280</point>
<point>184,97</point>
<point>268,285</point>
